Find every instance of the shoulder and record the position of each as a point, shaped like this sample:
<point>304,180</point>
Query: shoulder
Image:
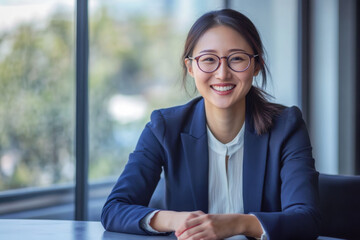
<point>289,123</point>
<point>176,118</point>
<point>174,113</point>
<point>289,116</point>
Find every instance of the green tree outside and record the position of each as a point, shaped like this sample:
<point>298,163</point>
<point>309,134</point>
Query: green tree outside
<point>137,57</point>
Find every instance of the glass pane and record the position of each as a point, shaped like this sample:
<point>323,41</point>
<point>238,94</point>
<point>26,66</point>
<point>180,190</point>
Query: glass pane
<point>135,67</point>
<point>37,93</point>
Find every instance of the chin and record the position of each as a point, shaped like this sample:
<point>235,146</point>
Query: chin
<point>226,103</point>
<point>223,105</point>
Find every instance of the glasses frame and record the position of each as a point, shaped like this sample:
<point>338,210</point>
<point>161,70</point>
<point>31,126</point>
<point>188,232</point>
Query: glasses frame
<point>227,60</point>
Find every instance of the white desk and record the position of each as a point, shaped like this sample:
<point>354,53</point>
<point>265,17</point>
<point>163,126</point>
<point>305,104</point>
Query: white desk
<point>15,229</point>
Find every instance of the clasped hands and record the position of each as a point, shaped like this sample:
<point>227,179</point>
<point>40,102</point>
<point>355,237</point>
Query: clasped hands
<point>200,226</point>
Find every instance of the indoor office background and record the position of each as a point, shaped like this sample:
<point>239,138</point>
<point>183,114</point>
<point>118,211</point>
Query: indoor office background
<point>68,118</point>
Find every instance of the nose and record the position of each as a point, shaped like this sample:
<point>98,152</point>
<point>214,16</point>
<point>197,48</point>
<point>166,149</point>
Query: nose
<point>223,72</point>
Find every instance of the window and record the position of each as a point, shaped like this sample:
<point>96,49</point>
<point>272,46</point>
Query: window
<point>37,93</point>
<point>37,105</point>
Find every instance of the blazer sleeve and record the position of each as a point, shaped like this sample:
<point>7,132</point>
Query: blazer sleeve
<point>128,201</point>
<point>300,217</point>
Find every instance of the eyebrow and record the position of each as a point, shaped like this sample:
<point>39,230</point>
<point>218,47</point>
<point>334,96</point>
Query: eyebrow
<point>230,50</point>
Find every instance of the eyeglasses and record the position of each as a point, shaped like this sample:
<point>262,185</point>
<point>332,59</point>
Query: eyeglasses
<point>237,61</point>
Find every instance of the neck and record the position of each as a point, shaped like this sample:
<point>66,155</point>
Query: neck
<point>225,124</point>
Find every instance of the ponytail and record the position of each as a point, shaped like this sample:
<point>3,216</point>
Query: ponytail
<point>263,112</point>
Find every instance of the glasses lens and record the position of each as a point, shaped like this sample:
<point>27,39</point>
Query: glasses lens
<point>239,61</point>
<point>208,62</point>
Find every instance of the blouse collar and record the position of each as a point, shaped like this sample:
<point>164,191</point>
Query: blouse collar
<point>227,148</point>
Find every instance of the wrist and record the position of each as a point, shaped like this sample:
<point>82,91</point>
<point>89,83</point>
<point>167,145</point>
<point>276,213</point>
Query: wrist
<point>240,227</point>
<point>252,226</point>
<point>247,225</point>
<point>170,219</point>
<point>163,221</point>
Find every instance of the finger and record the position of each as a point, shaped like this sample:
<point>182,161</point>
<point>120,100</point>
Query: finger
<point>201,224</point>
<point>199,212</point>
<point>188,233</point>
<point>188,223</point>
<point>183,230</point>
<point>196,221</point>
<point>193,225</point>
<point>202,235</point>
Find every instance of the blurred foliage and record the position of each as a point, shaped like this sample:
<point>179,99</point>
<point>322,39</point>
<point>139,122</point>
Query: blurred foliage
<point>137,57</point>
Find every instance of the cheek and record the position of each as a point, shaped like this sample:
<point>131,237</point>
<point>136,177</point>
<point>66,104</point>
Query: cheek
<point>247,77</point>
<point>250,81</point>
<point>200,76</point>
<point>250,74</point>
<point>246,83</point>
<point>199,82</point>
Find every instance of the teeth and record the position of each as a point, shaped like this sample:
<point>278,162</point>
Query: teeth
<point>223,88</point>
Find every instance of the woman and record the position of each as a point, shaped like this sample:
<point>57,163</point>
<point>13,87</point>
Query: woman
<point>234,163</point>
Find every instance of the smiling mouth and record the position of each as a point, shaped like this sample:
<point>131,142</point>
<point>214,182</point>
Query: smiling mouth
<point>222,88</point>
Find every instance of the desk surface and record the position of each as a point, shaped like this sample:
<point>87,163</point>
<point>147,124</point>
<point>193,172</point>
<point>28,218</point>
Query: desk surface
<point>16,229</point>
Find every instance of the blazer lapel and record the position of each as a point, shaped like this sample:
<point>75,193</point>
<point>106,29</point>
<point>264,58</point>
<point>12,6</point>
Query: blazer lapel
<point>196,157</point>
<point>255,154</point>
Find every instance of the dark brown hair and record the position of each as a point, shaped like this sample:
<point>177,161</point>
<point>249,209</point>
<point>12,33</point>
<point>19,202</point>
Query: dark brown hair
<point>262,110</point>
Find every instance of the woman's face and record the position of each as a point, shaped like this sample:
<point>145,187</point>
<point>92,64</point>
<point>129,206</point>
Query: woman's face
<point>224,88</point>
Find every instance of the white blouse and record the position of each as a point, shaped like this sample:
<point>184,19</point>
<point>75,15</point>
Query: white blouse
<point>225,182</point>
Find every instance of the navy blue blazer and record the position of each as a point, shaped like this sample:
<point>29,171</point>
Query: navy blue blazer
<point>280,183</point>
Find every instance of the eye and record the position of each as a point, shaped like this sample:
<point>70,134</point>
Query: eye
<point>238,58</point>
<point>208,59</point>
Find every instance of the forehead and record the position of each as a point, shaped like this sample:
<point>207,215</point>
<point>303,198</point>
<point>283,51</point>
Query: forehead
<point>221,39</point>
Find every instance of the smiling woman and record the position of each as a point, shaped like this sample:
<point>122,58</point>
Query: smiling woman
<point>234,163</point>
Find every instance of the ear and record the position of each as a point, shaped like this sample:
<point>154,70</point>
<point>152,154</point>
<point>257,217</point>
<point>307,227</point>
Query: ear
<point>189,67</point>
<point>256,70</point>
